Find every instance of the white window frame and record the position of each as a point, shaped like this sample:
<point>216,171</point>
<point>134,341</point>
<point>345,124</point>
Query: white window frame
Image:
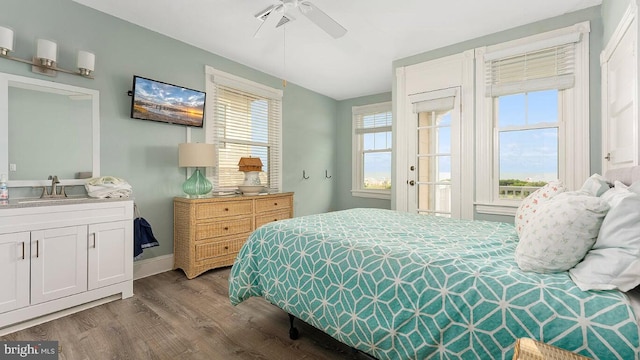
<point>357,172</point>
<point>214,77</point>
<point>573,135</point>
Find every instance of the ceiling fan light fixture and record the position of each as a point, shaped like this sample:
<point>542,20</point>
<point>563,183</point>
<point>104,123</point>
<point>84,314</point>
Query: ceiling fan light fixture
<point>280,14</point>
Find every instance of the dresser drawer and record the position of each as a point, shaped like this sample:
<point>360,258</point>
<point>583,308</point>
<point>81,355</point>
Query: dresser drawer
<point>223,228</point>
<point>230,208</point>
<point>215,249</point>
<point>273,216</point>
<point>272,204</point>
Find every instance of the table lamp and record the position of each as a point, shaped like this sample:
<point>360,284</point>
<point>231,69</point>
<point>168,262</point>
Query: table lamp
<point>251,167</point>
<point>196,155</point>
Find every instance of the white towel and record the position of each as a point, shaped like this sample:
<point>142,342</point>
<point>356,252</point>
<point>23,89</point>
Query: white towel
<point>107,187</point>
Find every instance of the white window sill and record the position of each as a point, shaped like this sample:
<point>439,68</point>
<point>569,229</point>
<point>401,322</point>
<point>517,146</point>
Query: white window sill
<point>384,195</point>
<point>506,209</point>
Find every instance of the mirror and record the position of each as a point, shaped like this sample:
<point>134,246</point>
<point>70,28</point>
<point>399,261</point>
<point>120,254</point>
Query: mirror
<point>48,128</point>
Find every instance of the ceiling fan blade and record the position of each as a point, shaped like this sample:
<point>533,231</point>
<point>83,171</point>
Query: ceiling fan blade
<point>322,20</point>
<point>270,21</point>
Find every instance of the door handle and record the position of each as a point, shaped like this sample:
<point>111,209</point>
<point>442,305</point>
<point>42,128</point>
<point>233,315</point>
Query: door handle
<point>37,248</point>
<point>412,183</point>
<point>23,250</point>
<point>608,157</point>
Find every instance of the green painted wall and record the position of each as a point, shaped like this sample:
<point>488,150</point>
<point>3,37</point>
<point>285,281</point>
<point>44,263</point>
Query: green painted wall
<point>342,198</point>
<point>612,12</point>
<point>146,153</point>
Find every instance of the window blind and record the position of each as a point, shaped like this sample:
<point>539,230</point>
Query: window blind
<point>242,124</point>
<point>374,122</point>
<point>533,70</point>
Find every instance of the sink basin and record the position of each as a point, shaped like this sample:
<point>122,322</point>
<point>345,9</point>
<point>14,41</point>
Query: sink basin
<point>51,200</point>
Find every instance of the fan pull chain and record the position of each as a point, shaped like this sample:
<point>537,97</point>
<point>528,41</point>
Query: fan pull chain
<point>284,55</point>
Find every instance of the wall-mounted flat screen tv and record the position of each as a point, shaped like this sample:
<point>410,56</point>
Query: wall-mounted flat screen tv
<point>159,101</point>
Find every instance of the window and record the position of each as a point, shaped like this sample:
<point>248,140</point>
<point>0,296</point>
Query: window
<point>243,119</point>
<point>533,116</point>
<point>528,126</point>
<point>371,174</point>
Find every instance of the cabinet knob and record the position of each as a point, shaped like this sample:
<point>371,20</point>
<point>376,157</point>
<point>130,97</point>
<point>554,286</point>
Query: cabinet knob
<point>226,248</point>
<point>226,209</point>
<point>275,204</point>
<point>226,228</point>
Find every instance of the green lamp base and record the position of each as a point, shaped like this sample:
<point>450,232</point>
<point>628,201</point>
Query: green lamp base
<point>197,185</point>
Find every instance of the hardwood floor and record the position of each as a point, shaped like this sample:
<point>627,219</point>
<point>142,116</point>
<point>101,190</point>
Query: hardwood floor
<point>170,317</point>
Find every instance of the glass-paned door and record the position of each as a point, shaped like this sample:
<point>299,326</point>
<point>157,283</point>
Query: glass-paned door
<point>434,179</point>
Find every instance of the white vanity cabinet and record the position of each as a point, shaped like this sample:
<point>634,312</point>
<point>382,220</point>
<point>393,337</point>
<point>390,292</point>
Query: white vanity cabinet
<point>63,258</point>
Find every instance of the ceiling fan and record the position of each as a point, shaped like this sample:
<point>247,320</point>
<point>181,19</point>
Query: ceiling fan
<point>281,13</point>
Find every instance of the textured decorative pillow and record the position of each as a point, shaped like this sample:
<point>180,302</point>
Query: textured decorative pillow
<point>561,232</point>
<point>530,204</point>
<point>595,185</point>
<point>614,260</point>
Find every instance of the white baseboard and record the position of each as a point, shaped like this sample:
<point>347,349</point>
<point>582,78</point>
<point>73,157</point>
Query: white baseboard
<point>152,266</point>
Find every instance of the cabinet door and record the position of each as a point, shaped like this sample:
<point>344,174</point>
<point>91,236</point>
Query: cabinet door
<point>14,271</point>
<point>58,263</point>
<point>110,253</point>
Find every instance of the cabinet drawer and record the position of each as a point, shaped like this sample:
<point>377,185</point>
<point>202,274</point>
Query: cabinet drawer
<point>223,228</point>
<point>271,204</point>
<point>230,208</point>
<point>274,216</point>
<point>215,249</point>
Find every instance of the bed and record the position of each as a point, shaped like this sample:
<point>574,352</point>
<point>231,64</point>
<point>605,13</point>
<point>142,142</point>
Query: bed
<point>396,285</point>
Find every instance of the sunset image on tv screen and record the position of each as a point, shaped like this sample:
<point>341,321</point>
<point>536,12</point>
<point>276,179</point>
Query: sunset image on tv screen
<point>153,100</point>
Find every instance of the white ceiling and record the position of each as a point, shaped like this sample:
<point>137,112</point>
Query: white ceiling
<point>354,65</point>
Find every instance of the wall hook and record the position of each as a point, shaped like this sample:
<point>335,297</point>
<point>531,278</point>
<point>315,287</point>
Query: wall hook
<point>326,174</point>
<point>304,175</point>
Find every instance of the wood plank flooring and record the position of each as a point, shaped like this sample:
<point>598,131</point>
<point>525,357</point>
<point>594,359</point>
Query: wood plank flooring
<point>170,317</point>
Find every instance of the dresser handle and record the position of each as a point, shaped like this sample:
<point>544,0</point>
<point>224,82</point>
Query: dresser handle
<point>226,228</point>
<point>226,209</point>
<point>275,204</point>
<point>275,219</point>
<point>226,248</point>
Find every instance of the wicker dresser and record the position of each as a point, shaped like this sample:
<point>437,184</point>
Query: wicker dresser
<point>209,232</point>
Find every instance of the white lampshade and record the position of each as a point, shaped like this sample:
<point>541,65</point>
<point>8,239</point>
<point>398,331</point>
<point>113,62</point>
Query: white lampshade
<point>47,50</point>
<point>6,40</point>
<point>196,155</point>
<point>86,60</point>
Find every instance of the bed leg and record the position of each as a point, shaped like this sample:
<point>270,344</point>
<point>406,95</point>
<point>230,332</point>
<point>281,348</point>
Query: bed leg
<point>293,332</point>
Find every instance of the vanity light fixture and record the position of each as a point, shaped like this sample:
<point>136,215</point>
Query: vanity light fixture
<point>45,61</point>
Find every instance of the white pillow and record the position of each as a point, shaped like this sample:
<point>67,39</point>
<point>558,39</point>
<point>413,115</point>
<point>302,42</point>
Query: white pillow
<point>530,204</point>
<point>614,260</point>
<point>561,232</point>
<point>595,185</point>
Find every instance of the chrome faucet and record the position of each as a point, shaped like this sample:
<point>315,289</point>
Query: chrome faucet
<point>54,184</point>
<point>54,188</point>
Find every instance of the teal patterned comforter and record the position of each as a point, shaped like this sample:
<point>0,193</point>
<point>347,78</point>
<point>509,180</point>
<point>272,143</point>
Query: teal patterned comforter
<point>408,286</point>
